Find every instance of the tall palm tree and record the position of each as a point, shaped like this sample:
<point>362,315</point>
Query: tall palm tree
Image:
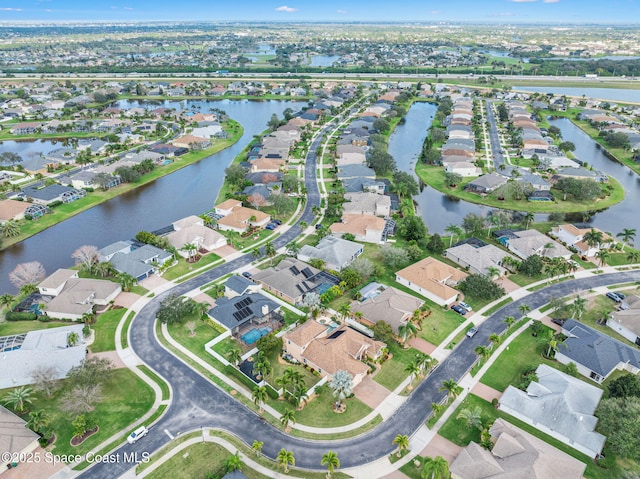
<point>425,362</point>
<point>452,388</point>
<point>435,468</point>
<point>126,281</point>
<point>288,417</point>
<point>496,339</point>
<point>260,396</point>
<point>493,272</point>
<point>528,219</point>
<point>633,256</point>
<point>412,369</point>
<point>603,256</point>
<point>330,459</point>
<point>627,235</point>
<point>341,384</point>
<point>344,311</point>
<point>6,299</point>
<point>482,351</point>
<point>270,251</point>
<point>234,356</point>
<point>18,398</point>
<point>262,367</point>
<point>509,321</point>
<point>285,459</point>
<point>38,420</point>
<point>402,441</point>
<point>191,249</point>
<point>233,462</point>
<point>11,229</point>
<point>407,331</point>
<point>453,230</point>
<point>593,238</point>
<point>473,417</point>
<point>257,446</point>
<point>579,306</point>
<point>524,309</point>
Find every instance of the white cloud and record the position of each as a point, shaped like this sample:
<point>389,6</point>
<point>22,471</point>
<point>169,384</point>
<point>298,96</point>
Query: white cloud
<point>551,1</point>
<point>9,9</point>
<point>502,14</point>
<point>342,12</point>
<point>127,8</point>
<point>436,12</point>
<point>286,9</point>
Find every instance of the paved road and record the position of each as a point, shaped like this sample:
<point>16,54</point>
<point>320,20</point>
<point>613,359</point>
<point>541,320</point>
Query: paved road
<point>494,139</point>
<point>198,403</point>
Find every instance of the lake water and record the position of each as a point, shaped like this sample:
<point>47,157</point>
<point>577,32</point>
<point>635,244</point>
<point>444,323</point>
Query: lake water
<point>191,190</point>
<point>611,94</point>
<point>323,60</point>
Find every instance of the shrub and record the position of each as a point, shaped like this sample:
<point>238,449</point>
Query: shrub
<point>20,316</point>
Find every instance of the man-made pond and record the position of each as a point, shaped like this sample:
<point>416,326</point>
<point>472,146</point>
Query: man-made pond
<point>323,60</point>
<point>191,190</point>
<point>611,94</point>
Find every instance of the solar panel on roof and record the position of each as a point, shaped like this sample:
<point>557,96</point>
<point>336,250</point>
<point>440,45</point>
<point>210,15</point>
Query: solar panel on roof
<point>242,314</point>
<point>307,273</point>
<point>299,288</point>
<point>244,302</point>
<point>294,270</point>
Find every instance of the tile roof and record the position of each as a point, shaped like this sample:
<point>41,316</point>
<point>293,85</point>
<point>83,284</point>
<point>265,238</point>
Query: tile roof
<point>433,275</point>
<point>392,306</point>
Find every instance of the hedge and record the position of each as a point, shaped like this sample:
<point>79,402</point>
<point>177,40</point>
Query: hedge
<point>20,316</point>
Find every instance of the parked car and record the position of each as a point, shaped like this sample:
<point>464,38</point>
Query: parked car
<point>247,275</point>
<point>614,297</point>
<point>459,309</point>
<point>137,434</point>
<point>277,222</point>
<point>472,332</point>
<point>620,295</point>
<point>465,306</point>
<point>270,227</point>
<point>559,322</point>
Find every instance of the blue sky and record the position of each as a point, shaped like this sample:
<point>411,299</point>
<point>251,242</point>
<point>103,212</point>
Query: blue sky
<point>482,11</point>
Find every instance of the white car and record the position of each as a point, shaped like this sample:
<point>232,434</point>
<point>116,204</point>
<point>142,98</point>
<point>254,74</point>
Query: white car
<point>465,306</point>
<point>137,434</point>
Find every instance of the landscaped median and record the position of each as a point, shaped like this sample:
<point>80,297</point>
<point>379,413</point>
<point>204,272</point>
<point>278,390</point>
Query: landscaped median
<point>434,176</point>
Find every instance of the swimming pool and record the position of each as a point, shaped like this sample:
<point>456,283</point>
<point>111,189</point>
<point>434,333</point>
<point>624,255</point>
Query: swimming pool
<point>255,334</point>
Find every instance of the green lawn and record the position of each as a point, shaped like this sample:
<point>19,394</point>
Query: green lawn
<point>105,330</point>
<point>279,367</point>
<point>439,324</point>
<point>392,372</point>
<point>598,308</point>
<point>197,461</point>
<point>125,399</point>
<point>8,328</point>
<point>319,412</point>
<point>457,432</point>
<point>183,267</point>
<point>523,351</point>
<point>204,333</point>
<point>164,387</point>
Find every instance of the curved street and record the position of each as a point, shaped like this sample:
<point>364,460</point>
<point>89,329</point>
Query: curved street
<point>196,402</point>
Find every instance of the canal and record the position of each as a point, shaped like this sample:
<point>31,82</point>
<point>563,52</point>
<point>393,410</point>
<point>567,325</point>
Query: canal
<point>191,190</point>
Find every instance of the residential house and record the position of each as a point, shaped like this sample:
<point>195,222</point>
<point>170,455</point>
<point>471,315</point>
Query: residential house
<point>337,253</point>
<point>486,184</point>
<point>595,354</point>
<point>479,260</point>
<point>292,279</point>
<point>529,242</point>
<point>327,349</point>
<point>241,218</point>
<point>191,230</point>
<point>360,184</point>
<point>69,297</point>
<point>514,453</point>
<point>16,439</point>
<point>28,128</point>
<point>139,263</point>
<point>226,207</point>
<point>267,165</point>
<point>558,405</point>
<point>392,306</point>
<point>355,171</point>
<point>364,227</point>
<point>23,354</point>
<point>49,194</point>
<point>238,311</point>
<point>237,285</point>
<point>626,323</point>
<point>367,203</point>
<point>581,173</point>
<point>573,235</point>
<point>192,142</point>
<point>432,279</point>
<point>462,168</point>
<point>12,210</point>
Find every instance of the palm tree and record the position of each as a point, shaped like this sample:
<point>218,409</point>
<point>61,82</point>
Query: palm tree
<point>627,235</point>
<point>473,417</point>
<point>6,299</point>
<point>11,229</point>
<point>255,252</point>
<point>233,462</point>
<point>262,367</point>
<point>38,420</point>
<point>509,321</point>
<point>330,459</point>
<point>299,395</point>
<point>482,351</point>
<point>579,306</point>
<point>528,219</point>
<point>72,339</point>
<point>453,230</point>
<point>234,356</point>
<point>344,311</point>
<point>270,251</point>
<point>633,256</point>
<point>341,385</point>
<point>257,446</point>
<point>402,441</point>
<point>493,272</point>
<point>524,309</point>
<point>285,458</point>
<point>412,369</point>
<point>19,398</point>
<point>191,249</point>
<point>407,331</point>
<point>603,256</point>
<point>435,468</point>
<point>593,238</point>
<point>126,281</point>
<point>260,396</point>
<point>437,408</point>
<point>288,416</point>
<point>496,339</point>
<point>452,388</point>
<point>425,362</point>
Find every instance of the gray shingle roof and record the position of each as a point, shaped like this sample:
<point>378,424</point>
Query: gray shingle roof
<point>336,252</point>
<point>595,350</point>
<point>237,311</point>
<point>237,283</point>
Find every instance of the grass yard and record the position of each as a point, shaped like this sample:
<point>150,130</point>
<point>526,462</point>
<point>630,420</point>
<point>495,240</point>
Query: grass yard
<point>457,432</point>
<point>204,333</point>
<point>9,328</point>
<point>439,324</point>
<point>523,351</point>
<point>319,412</point>
<point>183,267</point>
<point>105,330</point>
<point>392,372</point>
<point>198,461</point>
<point>279,368</point>
<point>524,280</point>
<point>125,399</point>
